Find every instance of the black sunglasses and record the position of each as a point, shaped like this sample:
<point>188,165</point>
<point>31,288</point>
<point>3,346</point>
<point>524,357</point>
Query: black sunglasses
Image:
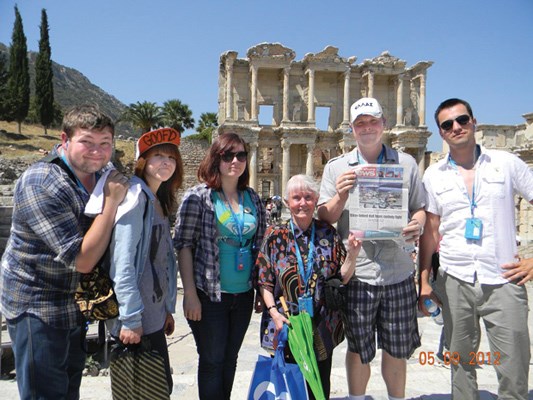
<point>461,120</point>
<point>228,156</point>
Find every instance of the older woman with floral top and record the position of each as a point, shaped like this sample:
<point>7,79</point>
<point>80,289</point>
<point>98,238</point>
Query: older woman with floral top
<point>296,258</point>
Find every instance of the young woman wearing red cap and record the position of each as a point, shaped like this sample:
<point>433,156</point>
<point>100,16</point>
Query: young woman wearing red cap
<point>143,264</point>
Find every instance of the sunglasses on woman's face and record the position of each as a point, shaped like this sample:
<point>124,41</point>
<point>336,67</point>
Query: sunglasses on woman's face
<point>461,120</point>
<point>228,156</point>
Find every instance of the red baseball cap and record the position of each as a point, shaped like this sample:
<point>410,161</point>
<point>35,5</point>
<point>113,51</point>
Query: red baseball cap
<point>155,138</point>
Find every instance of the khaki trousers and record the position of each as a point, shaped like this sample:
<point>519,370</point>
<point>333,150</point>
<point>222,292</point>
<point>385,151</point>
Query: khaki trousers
<point>504,311</point>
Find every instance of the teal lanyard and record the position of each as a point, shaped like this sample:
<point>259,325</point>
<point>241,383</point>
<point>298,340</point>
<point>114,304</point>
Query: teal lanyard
<point>305,274</point>
<point>472,200</point>
<point>239,222</point>
<point>381,157</point>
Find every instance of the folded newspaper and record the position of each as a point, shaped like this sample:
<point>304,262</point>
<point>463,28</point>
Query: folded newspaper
<point>379,202</point>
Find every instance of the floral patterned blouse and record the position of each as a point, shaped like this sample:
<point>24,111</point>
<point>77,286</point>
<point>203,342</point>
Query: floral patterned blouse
<point>278,273</point>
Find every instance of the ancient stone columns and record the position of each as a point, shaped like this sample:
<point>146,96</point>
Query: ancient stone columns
<point>370,84</point>
<point>399,101</point>
<point>229,84</point>
<point>253,92</point>
<point>311,96</point>
<point>286,164</point>
<point>346,99</point>
<point>309,161</point>
<point>422,105</point>
<point>286,71</point>
<point>253,164</point>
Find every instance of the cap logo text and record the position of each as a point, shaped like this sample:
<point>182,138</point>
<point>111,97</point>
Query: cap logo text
<point>369,104</point>
<point>160,136</point>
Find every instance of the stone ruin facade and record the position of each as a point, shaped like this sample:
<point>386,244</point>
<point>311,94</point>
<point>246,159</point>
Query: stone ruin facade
<point>517,139</point>
<point>271,81</point>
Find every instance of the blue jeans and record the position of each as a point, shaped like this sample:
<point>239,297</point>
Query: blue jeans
<point>49,361</point>
<point>218,336</point>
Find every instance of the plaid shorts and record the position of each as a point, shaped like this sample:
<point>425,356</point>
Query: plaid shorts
<point>388,310</point>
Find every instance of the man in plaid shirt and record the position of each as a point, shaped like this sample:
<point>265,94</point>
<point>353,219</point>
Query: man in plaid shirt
<point>51,242</point>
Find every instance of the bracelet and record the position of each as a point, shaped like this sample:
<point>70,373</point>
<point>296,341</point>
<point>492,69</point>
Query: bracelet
<point>271,307</point>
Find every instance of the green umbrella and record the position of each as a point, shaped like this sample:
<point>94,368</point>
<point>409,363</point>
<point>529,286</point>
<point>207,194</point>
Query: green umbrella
<point>301,345</point>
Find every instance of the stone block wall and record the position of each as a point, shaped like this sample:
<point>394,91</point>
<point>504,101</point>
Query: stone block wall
<point>192,153</point>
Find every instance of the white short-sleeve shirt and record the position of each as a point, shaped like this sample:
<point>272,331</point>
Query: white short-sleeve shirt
<point>499,176</point>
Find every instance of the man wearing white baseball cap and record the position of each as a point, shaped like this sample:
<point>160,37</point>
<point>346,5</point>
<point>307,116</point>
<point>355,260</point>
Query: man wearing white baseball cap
<point>381,296</point>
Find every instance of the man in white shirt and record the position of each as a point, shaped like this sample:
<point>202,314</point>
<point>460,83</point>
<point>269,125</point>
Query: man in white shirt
<point>470,204</point>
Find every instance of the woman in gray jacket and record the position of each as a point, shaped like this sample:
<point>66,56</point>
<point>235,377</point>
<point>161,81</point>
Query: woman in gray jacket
<point>143,264</point>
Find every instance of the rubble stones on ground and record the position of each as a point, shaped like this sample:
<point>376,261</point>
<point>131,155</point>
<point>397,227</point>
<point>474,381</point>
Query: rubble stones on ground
<point>11,169</point>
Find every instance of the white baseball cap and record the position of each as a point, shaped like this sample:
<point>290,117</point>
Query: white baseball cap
<point>365,106</point>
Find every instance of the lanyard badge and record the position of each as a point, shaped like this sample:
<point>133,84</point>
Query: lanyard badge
<point>473,226</point>
<point>474,229</point>
<point>243,256</point>
<point>305,302</point>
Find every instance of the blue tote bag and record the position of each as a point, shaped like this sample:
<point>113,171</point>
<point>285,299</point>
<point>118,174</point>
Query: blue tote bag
<point>274,379</point>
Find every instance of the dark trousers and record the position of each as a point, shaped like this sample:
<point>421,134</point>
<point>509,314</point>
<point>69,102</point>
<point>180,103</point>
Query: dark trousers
<point>219,336</point>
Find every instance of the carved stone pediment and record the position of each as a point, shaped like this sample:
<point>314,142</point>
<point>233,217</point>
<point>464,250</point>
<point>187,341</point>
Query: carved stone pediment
<point>328,57</point>
<point>385,59</point>
<point>329,54</point>
<point>271,51</point>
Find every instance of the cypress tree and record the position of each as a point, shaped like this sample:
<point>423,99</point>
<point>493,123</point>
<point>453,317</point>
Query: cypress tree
<point>18,84</point>
<point>3,85</point>
<point>44,88</point>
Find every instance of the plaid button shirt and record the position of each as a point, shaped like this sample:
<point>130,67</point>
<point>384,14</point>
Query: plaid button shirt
<point>196,229</point>
<point>37,275</point>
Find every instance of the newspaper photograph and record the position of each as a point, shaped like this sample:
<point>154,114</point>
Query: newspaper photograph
<point>379,203</point>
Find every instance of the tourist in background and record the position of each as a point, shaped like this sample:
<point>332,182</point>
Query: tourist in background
<point>470,202</point>
<point>219,228</point>
<point>51,242</point>
<point>143,264</point>
<point>382,294</point>
<point>295,260</point>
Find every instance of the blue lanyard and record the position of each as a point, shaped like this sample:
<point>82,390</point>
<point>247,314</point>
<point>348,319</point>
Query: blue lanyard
<point>239,223</point>
<point>472,200</point>
<point>305,274</point>
<point>381,157</point>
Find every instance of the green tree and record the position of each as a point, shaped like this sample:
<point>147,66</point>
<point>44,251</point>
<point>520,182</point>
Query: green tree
<point>44,88</point>
<point>18,83</point>
<point>145,115</point>
<point>3,85</point>
<point>177,115</point>
<point>207,125</point>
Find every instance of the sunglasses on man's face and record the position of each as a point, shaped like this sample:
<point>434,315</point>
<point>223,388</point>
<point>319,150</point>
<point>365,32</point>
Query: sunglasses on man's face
<point>461,120</point>
<point>228,156</point>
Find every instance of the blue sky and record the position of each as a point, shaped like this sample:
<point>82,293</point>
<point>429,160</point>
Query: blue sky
<point>162,49</point>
